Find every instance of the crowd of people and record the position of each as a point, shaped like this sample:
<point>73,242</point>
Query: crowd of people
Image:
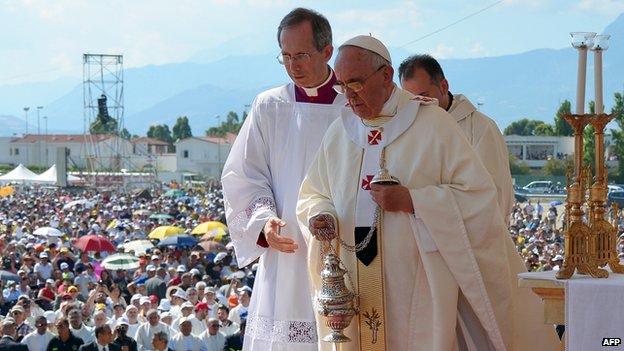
<point>181,298</point>
<point>538,232</point>
<point>55,296</point>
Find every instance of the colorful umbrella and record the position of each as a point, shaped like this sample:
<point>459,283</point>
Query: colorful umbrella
<point>7,191</point>
<point>164,231</point>
<point>160,216</point>
<point>174,193</point>
<point>141,213</point>
<point>83,202</point>
<point>6,276</point>
<point>94,242</point>
<point>206,227</point>
<point>178,241</point>
<point>48,231</point>
<point>138,246</point>
<point>121,261</point>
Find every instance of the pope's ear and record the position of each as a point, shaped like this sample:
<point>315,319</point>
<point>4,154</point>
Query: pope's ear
<point>388,73</point>
<point>327,52</point>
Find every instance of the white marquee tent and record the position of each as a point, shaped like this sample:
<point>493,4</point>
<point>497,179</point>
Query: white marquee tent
<point>50,177</point>
<point>19,174</point>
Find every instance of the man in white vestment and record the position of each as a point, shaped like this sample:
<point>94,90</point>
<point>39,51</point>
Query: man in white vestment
<point>145,333</point>
<point>423,75</point>
<point>185,340</point>
<point>261,180</point>
<point>443,276</point>
<point>212,338</point>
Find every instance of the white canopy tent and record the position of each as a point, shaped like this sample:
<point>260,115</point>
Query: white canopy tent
<point>51,177</point>
<point>19,174</point>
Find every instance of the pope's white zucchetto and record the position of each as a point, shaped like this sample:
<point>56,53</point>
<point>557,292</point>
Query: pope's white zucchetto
<point>369,43</point>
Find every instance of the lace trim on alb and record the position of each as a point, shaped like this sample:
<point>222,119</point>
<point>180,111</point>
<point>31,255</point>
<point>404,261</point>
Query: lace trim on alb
<point>272,330</point>
<point>242,218</point>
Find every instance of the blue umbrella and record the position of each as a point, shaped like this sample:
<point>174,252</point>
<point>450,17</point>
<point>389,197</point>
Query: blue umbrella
<point>178,241</point>
<point>556,203</point>
<point>6,276</point>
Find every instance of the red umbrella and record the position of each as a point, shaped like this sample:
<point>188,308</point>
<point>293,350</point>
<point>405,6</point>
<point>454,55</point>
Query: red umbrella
<point>95,243</point>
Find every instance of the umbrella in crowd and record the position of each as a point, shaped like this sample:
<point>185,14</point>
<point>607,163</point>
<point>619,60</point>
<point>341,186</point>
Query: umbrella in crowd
<point>6,276</point>
<point>142,212</point>
<point>48,231</point>
<point>165,231</point>
<point>138,246</point>
<point>121,261</point>
<point>209,226</point>
<point>160,216</point>
<point>94,242</point>
<point>7,191</point>
<point>174,193</point>
<point>555,203</point>
<point>180,241</point>
<point>83,202</point>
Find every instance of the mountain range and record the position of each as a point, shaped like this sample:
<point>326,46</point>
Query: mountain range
<point>215,81</point>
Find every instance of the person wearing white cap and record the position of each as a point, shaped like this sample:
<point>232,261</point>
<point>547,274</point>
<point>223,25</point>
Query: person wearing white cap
<point>43,268</point>
<point>132,314</point>
<point>437,211</point>
<point>261,181</point>
<point>212,338</point>
<point>185,340</point>
<point>146,331</point>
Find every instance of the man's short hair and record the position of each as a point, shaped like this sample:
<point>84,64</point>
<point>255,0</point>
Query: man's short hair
<point>162,336</point>
<point>321,30</point>
<point>101,330</point>
<point>425,62</point>
<point>223,307</point>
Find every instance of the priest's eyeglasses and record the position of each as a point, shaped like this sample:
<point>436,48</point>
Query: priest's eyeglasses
<point>355,86</point>
<point>286,59</point>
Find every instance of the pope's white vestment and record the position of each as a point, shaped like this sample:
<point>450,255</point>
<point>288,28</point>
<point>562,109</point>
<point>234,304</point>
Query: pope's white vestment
<point>448,285</point>
<point>261,178</point>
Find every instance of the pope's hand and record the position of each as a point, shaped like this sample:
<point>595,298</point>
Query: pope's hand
<point>274,239</point>
<point>323,227</point>
<point>392,198</point>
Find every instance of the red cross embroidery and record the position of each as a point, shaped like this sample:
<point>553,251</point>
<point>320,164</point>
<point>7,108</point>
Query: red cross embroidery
<point>374,137</point>
<point>366,182</point>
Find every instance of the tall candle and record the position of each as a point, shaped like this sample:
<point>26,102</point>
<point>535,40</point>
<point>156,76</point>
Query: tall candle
<point>598,80</point>
<point>580,80</point>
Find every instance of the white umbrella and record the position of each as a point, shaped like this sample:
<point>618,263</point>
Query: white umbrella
<point>120,261</point>
<point>138,246</point>
<point>82,202</point>
<point>48,231</point>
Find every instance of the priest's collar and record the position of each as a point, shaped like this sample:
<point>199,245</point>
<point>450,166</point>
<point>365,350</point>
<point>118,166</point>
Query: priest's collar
<point>322,94</point>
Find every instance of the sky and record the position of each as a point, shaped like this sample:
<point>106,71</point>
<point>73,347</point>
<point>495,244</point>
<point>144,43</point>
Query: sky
<point>43,40</point>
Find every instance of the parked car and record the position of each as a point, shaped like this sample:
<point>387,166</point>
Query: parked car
<point>617,197</point>
<point>538,187</point>
<point>615,187</point>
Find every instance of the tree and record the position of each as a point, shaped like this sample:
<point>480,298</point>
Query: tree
<point>556,167</point>
<point>518,167</point>
<point>562,128</point>
<point>525,127</point>
<point>232,124</point>
<point>160,132</point>
<point>544,130</point>
<point>589,144</point>
<point>618,135</point>
<point>182,129</point>
<point>125,134</point>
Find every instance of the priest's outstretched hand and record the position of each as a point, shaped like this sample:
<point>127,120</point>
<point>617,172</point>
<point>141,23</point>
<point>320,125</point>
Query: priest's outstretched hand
<point>323,227</point>
<point>392,198</point>
<point>275,239</point>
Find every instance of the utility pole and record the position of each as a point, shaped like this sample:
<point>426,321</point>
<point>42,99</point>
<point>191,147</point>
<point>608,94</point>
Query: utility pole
<point>38,136</point>
<point>26,115</point>
<point>45,145</point>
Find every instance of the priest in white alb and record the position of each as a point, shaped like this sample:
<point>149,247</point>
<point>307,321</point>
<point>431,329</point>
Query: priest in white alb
<point>261,180</point>
<point>427,257</point>
<point>423,75</point>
